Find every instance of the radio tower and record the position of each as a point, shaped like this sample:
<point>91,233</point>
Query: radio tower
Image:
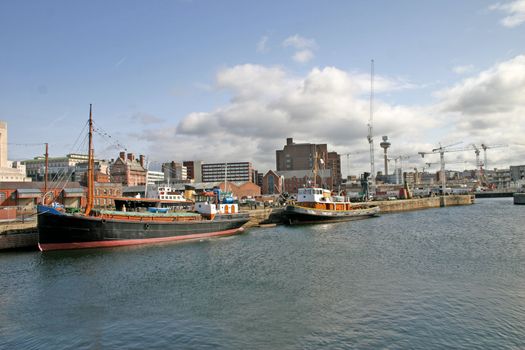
<point>370,128</point>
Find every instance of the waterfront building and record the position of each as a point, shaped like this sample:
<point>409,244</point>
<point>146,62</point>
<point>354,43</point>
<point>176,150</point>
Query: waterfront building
<point>13,172</point>
<point>101,171</point>
<point>295,179</point>
<point>26,195</point>
<point>300,157</point>
<point>193,169</point>
<point>272,183</point>
<point>174,172</point>
<point>9,171</point>
<point>155,177</point>
<point>517,172</point>
<point>239,189</point>
<point>59,168</point>
<point>127,170</point>
<point>238,172</point>
<point>501,178</point>
<point>260,177</point>
<point>105,192</point>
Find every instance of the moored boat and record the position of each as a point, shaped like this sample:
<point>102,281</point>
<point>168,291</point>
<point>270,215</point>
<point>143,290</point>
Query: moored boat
<point>131,225</point>
<point>317,205</point>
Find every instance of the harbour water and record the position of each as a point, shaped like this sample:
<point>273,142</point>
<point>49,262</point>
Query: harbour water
<point>439,278</point>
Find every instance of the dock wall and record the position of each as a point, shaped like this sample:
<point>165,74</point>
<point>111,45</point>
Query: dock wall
<point>22,235</point>
<point>424,203</point>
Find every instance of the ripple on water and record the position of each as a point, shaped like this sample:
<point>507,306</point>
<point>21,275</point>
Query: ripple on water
<point>439,278</point>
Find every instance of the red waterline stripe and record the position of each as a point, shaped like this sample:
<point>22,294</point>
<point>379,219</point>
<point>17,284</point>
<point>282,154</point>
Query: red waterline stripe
<point>119,243</point>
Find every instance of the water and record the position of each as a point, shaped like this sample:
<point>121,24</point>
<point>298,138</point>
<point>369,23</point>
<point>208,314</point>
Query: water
<point>439,278</point>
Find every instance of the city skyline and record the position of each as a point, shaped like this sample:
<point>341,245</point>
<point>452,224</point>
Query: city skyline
<point>229,81</point>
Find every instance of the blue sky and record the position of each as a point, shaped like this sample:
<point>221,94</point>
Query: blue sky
<point>229,80</point>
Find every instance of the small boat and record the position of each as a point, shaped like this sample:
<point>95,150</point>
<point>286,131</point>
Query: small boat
<point>317,205</point>
<point>134,224</point>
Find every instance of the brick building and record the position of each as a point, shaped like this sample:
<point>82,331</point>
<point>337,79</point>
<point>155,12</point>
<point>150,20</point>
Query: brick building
<point>26,195</point>
<point>193,169</point>
<point>301,157</point>
<point>271,183</point>
<point>128,170</point>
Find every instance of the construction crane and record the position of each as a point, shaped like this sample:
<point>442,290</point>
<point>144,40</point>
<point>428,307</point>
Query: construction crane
<point>399,170</point>
<point>370,136</point>
<point>485,148</point>
<point>348,154</point>
<point>478,163</point>
<point>442,150</point>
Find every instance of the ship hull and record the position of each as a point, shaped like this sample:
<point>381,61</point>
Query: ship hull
<point>64,231</point>
<point>295,214</point>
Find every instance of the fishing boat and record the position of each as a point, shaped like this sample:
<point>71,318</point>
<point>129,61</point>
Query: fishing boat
<point>132,225</point>
<point>317,205</point>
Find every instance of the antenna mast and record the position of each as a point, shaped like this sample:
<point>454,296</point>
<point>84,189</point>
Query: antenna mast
<point>370,126</point>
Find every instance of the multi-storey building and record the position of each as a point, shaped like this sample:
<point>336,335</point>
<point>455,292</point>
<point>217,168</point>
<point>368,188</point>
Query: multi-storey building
<point>301,156</point>
<point>9,171</point>
<point>216,172</point>
<point>101,171</point>
<point>517,172</point>
<point>501,178</point>
<point>128,170</point>
<point>155,177</point>
<point>59,168</point>
<point>194,170</point>
<point>174,172</point>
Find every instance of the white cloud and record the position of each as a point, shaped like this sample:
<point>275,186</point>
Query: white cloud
<point>515,11</point>
<point>268,104</point>
<point>262,45</point>
<point>489,108</point>
<point>299,42</point>
<point>463,69</point>
<point>304,48</point>
<point>303,56</point>
<point>329,105</point>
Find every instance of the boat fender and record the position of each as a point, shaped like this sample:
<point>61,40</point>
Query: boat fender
<point>146,226</point>
<point>103,221</point>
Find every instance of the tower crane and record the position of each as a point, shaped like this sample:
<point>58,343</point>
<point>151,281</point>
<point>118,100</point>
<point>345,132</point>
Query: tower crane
<point>348,154</point>
<point>370,136</point>
<point>486,147</point>
<point>478,163</point>
<point>442,150</point>
<point>399,169</point>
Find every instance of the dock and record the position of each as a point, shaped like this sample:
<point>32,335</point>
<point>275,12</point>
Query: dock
<point>18,235</point>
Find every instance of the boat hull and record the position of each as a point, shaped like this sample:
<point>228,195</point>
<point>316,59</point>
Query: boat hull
<point>296,214</point>
<point>64,231</point>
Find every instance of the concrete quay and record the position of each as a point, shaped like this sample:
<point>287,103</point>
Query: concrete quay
<point>424,203</point>
<point>494,194</point>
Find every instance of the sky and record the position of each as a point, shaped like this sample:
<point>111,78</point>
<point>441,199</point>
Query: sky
<point>231,80</point>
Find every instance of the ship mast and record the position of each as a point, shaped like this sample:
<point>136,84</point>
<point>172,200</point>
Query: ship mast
<point>315,167</point>
<point>91,173</point>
